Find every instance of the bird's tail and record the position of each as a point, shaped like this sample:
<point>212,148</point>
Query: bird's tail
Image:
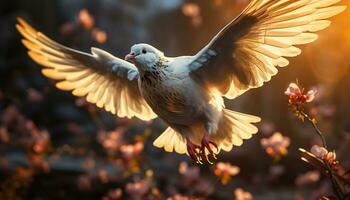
<point>171,140</point>
<point>233,129</point>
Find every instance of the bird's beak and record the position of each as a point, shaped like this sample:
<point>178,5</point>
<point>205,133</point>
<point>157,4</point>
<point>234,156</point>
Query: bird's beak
<point>130,57</point>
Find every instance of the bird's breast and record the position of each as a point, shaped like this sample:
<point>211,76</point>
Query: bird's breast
<point>162,93</point>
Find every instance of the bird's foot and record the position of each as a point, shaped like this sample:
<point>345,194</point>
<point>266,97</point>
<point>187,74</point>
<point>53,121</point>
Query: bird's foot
<point>193,151</point>
<point>207,150</point>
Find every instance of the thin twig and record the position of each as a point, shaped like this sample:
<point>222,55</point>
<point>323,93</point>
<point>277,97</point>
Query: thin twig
<point>338,191</point>
<point>318,131</point>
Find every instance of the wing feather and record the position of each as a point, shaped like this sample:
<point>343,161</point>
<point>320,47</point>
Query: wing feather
<point>247,52</point>
<point>99,76</point>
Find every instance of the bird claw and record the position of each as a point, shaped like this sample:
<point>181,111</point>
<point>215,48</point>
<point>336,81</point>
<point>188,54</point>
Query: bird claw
<point>202,153</point>
<point>206,145</point>
<point>193,151</point>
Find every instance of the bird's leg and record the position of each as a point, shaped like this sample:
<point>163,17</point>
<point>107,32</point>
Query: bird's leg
<point>206,149</point>
<point>193,150</point>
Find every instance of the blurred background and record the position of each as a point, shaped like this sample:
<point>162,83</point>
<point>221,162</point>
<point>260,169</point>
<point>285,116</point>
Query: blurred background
<point>56,146</point>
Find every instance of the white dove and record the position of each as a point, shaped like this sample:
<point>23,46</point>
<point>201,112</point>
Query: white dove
<point>187,92</point>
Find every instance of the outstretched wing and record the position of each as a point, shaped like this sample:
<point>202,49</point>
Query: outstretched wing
<point>105,80</point>
<point>247,51</point>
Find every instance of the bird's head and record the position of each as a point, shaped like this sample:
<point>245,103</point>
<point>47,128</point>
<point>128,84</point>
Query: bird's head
<point>144,56</point>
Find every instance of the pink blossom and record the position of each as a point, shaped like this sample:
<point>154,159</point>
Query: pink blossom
<point>307,178</point>
<point>310,96</point>
<point>192,10</point>
<point>99,35</point>
<point>225,171</point>
<point>319,152</point>
<point>240,194</point>
<point>293,90</point>
<point>86,19</point>
<point>328,156</point>
<point>41,141</point>
<point>276,145</point>
<point>297,94</point>
<point>111,141</point>
<point>129,151</point>
<point>138,188</point>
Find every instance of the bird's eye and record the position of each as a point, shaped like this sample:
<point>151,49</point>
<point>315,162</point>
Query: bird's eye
<point>144,51</point>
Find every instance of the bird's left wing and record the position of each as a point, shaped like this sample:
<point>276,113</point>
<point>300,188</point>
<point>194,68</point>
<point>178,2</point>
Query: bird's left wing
<point>247,51</point>
<point>105,80</point>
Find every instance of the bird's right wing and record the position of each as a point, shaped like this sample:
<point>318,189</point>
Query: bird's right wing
<point>105,80</point>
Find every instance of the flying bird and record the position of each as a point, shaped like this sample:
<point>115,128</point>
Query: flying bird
<point>188,92</point>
